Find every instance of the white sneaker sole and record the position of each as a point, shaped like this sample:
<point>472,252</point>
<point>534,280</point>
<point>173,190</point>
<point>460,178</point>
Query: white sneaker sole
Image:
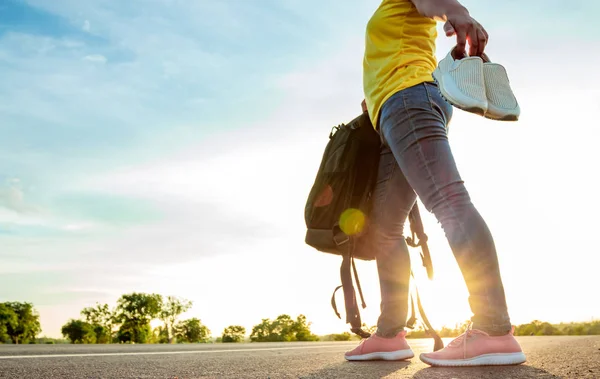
<point>454,96</point>
<point>482,360</point>
<point>499,114</point>
<point>398,355</point>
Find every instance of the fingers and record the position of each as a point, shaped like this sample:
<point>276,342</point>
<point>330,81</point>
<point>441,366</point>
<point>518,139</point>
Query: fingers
<point>449,29</point>
<point>473,40</point>
<point>482,38</point>
<point>475,36</point>
<point>461,41</point>
<point>467,30</point>
<point>477,41</point>
<point>485,33</point>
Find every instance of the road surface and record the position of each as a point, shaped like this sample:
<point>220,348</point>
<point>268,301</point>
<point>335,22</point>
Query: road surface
<point>548,357</point>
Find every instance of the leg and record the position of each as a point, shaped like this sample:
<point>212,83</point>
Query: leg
<point>413,124</point>
<point>393,199</point>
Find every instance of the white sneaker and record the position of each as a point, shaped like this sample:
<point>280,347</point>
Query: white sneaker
<point>461,83</point>
<point>502,103</point>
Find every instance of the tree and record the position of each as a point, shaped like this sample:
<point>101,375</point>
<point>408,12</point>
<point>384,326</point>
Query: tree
<point>139,307</point>
<point>103,320</point>
<point>135,311</point>
<point>342,337</point>
<point>282,329</point>
<point>79,331</point>
<point>191,331</point>
<point>547,329</point>
<point>134,332</point>
<point>169,312</point>
<point>302,331</point>
<point>160,335</point>
<point>7,318</point>
<point>536,328</point>
<point>233,333</point>
<point>262,332</point>
<point>593,328</point>
<point>27,325</point>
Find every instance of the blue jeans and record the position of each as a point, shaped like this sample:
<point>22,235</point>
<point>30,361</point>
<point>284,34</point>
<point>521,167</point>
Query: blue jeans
<point>416,160</point>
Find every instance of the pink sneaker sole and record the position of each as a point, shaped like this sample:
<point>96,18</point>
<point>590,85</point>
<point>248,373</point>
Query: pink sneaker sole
<point>398,355</point>
<point>481,360</point>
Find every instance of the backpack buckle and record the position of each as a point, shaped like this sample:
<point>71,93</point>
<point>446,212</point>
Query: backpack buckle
<point>340,238</point>
<point>334,130</point>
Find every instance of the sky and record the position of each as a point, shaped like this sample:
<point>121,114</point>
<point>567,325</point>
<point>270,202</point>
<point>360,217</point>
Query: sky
<point>169,146</point>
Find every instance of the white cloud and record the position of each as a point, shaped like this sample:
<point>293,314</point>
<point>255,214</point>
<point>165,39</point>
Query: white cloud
<point>12,197</point>
<point>86,26</point>
<point>96,58</point>
<point>76,227</point>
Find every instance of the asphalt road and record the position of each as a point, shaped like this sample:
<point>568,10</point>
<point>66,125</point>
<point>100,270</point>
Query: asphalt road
<point>548,357</point>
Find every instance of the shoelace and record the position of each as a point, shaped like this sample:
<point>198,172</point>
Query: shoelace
<point>462,339</point>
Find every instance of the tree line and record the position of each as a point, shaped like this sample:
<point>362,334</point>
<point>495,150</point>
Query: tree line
<point>534,328</point>
<point>540,328</point>
<point>129,322</point>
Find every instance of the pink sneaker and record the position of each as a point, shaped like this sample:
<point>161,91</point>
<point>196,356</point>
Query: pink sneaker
<point>379,348</point>
<point>477,348</point>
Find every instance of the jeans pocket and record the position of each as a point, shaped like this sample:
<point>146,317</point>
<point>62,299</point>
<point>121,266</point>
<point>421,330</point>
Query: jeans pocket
<point>438,102</point>
<point>432,84</point>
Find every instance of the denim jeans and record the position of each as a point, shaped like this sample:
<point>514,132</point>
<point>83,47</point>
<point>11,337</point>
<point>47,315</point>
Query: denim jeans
<point>416,160</point>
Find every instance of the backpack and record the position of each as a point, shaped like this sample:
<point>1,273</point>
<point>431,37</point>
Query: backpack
<point>337,213</point>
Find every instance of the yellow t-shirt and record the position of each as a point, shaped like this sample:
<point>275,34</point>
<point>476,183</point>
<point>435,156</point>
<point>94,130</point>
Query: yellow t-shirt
<point>399,52</point>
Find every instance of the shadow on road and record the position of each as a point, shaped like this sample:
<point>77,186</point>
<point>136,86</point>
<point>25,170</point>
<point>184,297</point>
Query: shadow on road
<point>373,369</point>
<point>382,369</point>
<point>521,371</point>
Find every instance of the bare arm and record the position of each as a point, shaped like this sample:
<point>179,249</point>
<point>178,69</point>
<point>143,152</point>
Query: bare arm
<point>439,9</point>
<point>458,22</point>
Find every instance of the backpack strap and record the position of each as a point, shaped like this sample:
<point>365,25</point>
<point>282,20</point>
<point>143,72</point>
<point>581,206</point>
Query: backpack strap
<point>438,343</point>
<point>352,311</point>
<point>417,231</point>
<point>333,302</point>
<point>348,267</point>
<point>362,298</point>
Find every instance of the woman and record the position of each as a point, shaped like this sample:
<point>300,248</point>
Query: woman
<point>411,117</point>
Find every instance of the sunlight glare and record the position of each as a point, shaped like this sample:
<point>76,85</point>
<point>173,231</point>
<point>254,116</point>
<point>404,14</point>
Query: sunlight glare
<point>352,221</point>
